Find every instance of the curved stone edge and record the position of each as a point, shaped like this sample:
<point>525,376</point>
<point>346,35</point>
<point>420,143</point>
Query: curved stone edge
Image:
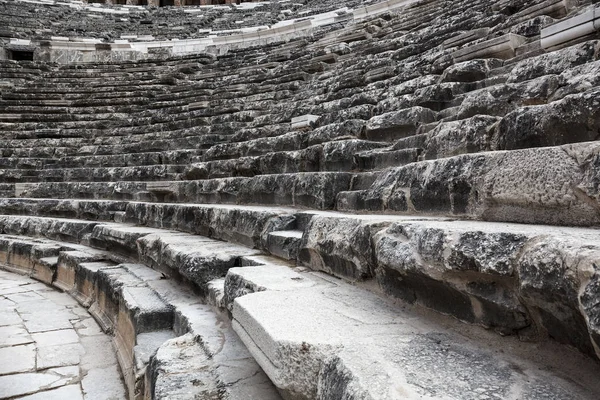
<point>145,312</point>
<point>340,341</point>
<point>532,281</point>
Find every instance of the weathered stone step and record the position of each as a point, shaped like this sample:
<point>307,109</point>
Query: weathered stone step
<point>176,254</point>
<point>553,185</point>
<point>180,157</point>
<point>313,190</point>
<point>500,288</point>
<point>34,147</point>
<point>379,159</point>
<point>326,348</point>
<point>163,337</point>
<point>284,244</point>
<point>104,174</point>
<point>395,125</point>
<point>291,141</point>
<point>245,225</point>
<point>330,156</point>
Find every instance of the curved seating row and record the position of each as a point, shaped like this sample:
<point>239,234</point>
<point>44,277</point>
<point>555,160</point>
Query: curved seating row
<point>429,162</point>
<point>170,344</point>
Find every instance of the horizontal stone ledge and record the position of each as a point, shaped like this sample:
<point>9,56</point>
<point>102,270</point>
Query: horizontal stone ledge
<point>160,327</point>
<point>307,189</point>
<point>546,185</point>
<point>494,273</point>
<point>569,30</point>
<point>340,341</point>
<point>502,47</point>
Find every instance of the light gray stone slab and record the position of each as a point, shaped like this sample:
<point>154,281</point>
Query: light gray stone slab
<point>13,335</point>
<point>59,356</point>
<point>87,327</point>
<point>53,338</point>
<point>346,342</point>
<point>39,323</point>
<point>70,392</point>
<point>23,297</point>
<point>22,384</point>
<point>99,384</point>
<point>9,317</point>
<point>243,280</point>
<point>17,359</point>
<point>99,353</point>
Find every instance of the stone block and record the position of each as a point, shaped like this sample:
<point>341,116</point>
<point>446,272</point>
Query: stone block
<point>502,47</point>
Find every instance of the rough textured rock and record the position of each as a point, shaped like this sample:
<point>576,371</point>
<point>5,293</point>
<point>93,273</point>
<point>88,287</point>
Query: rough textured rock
<point>196,259</point>
<point>521,186</point>
<point>306,359</point>
<point>338,246</point>
<point>573,119</point>
<point>471,135</point>
<point>396,125</point>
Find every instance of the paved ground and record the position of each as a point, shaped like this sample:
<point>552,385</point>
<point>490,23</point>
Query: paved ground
<point>50,347</point>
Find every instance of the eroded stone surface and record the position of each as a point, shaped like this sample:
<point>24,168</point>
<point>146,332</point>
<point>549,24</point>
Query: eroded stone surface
<point>344,342</point>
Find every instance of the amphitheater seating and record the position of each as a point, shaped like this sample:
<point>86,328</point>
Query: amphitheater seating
<point>72,19</point>
<point>337,196</point>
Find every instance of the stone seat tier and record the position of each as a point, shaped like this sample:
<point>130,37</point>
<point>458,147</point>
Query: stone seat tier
<point>158,325</point>
<point>340,341</point>
<point>308,189</point>
<point>492,274</point>
<point>45,149</point>
<point>95,174</point>
<point>528,185</point>
<point>292,293</point>
<point>179,157</point>
<point>539,185</point>
<point>330,156</point>
<point>136,139</point>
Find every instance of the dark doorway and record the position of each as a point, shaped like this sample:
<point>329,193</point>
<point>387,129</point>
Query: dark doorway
<point>165,3</point>
<point>21,55</point>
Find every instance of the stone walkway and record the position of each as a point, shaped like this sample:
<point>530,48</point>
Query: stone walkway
<point>51,348</point>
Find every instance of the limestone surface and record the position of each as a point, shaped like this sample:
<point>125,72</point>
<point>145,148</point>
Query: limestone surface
<point>49,346</point>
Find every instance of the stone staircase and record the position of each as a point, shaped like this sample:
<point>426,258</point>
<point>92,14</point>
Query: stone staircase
<point>332,217</point>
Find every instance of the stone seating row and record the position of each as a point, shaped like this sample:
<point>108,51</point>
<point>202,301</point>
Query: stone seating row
<point>519,185</point>
<point>147,309</point>
<point>159,23</point>
<point>169,342</point>
<point>467,113</point>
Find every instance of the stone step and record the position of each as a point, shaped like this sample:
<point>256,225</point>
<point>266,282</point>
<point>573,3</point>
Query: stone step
<point>395,125</point>
<point>291,141</point>
<point>112,174</point>
<point>330,156</point>
<point>163,337</point>
<point>245,225</point>
<point>284,244</point>
<point>552,185</point>
<point>379,159</point>
<point>314,190</point>
<point>500,287</point>
<point>179,157</point>
<point>48,148</point>
<point>326,347</point>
